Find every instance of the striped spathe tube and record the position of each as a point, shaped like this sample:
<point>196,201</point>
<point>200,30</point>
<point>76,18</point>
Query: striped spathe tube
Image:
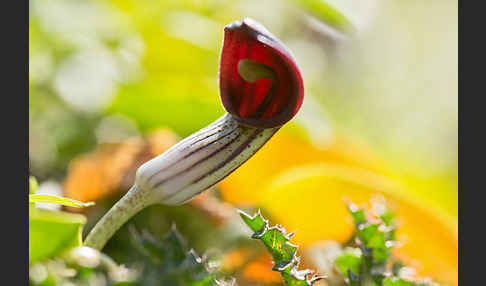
<point>201,160</point>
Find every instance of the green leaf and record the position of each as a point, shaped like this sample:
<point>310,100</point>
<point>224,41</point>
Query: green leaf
<point>358,216</point>
<point>394,281</point>
<point>388,217</point>
<point>52,232</point>
<point>168,261</point>
<point>256,223</point>
<point>348,261</point>
<point>372,237</point>
<point>367,233</point>
<point>275,239</point>
<point>42,198</point>
<point>277,243</point>
<point>378,244</point>
<point>33,185</point>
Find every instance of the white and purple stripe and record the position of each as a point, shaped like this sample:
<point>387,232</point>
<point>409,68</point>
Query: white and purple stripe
<point>200,161</point>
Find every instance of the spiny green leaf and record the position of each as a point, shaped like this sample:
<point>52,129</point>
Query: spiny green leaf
<point>256,223</point>
<point>348,261</point>
<point>357,214</point>
<point>388,217</point>
<point>274,238</point>
<point>378,244</point>
<point>277,243</point>
<point>168,261</point>
<point>367,232</point>
<point>42,198</point>
<point>374,237</point>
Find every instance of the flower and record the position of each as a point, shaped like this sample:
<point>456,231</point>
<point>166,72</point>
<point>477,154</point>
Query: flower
<point>260,83</point>
<point>261,88</point>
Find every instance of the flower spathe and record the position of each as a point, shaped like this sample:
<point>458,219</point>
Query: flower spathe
<point>261,89</point>
<point>260,83</point>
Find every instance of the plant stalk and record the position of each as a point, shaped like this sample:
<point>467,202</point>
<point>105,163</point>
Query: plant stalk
<point>130,204</point>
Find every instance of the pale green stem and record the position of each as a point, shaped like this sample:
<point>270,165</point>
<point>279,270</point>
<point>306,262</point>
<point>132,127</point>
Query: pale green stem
<point>134,201</point>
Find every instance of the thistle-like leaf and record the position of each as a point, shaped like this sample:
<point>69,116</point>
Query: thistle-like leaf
<point>366,261</point>
<point>168,261</point>
<point>277,243</point>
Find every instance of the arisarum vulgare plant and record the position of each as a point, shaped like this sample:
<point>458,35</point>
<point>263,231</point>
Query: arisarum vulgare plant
<point>261,89</point>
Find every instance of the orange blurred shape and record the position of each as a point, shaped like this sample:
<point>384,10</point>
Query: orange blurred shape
<point>111,167</point>
<point>254,266</point>
<point>303,188</point>
<point>260,270</point>
<point>235,258</point>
